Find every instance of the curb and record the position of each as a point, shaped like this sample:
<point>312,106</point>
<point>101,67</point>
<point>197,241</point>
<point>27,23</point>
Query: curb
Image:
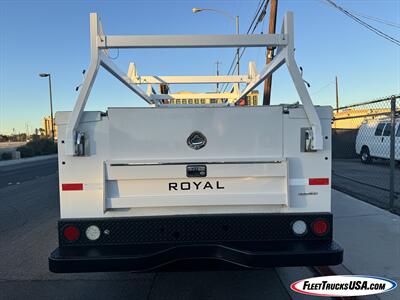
<point>26,160</point>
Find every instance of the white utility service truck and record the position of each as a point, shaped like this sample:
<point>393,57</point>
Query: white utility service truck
<point>190,186</point>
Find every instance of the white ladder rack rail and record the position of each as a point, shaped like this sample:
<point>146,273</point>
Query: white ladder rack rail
<point>100,43</point>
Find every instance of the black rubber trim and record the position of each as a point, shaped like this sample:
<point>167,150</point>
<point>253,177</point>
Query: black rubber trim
<point>147,258</point>
<point>195,229</point>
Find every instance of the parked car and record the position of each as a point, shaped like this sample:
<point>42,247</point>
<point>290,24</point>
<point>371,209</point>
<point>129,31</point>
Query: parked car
<point>373,140</point>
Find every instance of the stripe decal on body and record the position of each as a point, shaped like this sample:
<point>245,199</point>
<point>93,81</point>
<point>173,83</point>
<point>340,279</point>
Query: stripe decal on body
<point>309,181</point>
<point>318,181</point>
<point>72,186</point>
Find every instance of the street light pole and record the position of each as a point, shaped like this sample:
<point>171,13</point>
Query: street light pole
<point>51,109</point>
<point>51,103</point>
<point>236,19</point>
<point>270,52</point>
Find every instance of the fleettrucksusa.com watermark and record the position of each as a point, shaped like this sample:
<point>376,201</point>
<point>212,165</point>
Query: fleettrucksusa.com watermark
<point>343,285</point>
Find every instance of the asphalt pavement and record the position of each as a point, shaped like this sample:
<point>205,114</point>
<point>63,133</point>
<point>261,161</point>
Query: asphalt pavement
<point>29,211</point>
<point>16,174</point>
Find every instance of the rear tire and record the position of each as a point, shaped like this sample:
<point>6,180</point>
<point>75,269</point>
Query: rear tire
<point>365,155</point>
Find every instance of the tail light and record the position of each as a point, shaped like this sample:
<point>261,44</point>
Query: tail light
<point>242,102</point>
<point>320,227</point>
<point>71,233</point>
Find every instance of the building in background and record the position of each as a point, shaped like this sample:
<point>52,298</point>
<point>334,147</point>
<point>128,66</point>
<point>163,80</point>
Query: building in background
<point>47,127</point>
<point>210,98</point>
<point>252,98</point>
<point>352,118</point>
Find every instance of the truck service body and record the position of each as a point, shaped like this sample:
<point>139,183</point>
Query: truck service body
<point>209,186</point>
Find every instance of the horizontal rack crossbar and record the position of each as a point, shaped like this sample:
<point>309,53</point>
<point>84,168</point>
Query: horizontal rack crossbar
<point>191,41</point>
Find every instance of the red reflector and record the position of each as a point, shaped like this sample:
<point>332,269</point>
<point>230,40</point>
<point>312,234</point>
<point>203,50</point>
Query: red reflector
<point>72,186</point>
<point>71,233</point>
<point>320,227</point>
<point>318,181</point>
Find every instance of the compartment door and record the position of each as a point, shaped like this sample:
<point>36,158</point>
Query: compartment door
<point>140,185</point>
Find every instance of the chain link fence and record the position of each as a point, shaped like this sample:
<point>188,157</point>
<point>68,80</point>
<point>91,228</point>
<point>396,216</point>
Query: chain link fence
<point>366,151</point>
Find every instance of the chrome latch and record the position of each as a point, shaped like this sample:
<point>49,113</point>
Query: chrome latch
<point>307,137</point>
<point>81,144</point>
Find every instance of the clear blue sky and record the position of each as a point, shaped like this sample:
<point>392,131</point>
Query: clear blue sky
<point>53,36</point>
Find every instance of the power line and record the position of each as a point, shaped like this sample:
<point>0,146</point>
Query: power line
<point>323,87</point>
<point>365,24</point>
<point>257,19</point>
<point>382,21</point>
<point>259,6</point>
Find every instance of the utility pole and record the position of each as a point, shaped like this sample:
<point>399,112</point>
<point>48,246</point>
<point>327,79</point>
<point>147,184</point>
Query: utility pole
<point>218,63</point>
<point>238,49</point>
<point>270,51</point>
<point>337,94</point>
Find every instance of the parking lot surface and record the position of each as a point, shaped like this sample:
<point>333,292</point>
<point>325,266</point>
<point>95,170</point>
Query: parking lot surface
<point>28,233</point>
<point>368,182</point>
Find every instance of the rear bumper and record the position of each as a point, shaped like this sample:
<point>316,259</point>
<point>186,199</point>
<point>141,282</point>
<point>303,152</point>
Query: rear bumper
<point>195,241</point>
<point>205,256</point>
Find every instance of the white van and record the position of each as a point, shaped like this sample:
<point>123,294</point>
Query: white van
<point>373,140</point>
